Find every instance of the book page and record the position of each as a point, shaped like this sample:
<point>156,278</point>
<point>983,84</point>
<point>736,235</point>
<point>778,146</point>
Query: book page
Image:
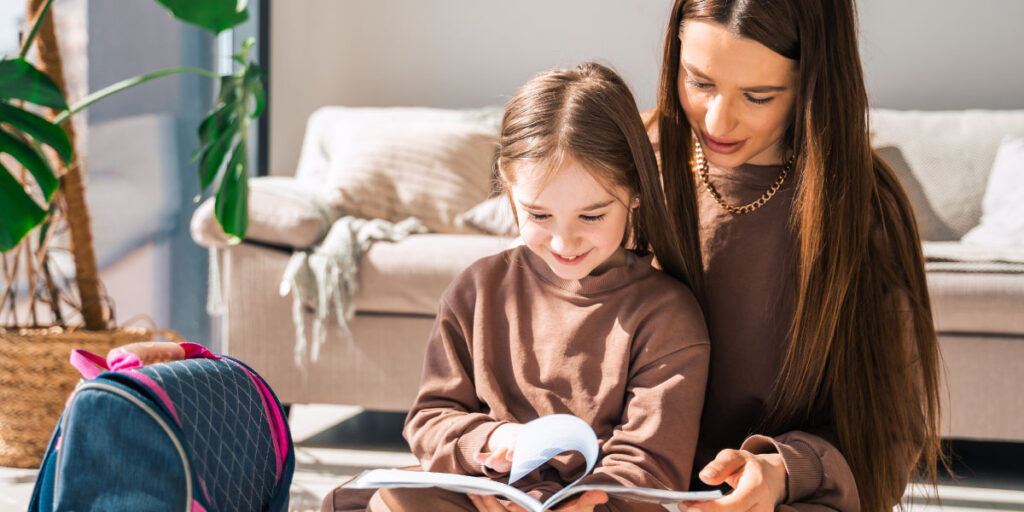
<point>637,494</point>
<point>545,437</point>
<point>386,478</point>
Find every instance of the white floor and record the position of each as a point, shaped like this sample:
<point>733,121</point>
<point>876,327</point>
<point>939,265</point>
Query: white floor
<point>328,453</point>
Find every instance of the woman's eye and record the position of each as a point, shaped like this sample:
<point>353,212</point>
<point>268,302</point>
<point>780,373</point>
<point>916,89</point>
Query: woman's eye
<point>699,85</point>
<point>759,101</point>
<point>592,218</point>
<point>538,216</point>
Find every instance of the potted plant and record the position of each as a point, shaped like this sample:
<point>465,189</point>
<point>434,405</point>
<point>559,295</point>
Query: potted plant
<point>41,189</point>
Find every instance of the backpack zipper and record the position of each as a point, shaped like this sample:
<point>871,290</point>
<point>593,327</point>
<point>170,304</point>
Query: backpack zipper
<point>149,410</point>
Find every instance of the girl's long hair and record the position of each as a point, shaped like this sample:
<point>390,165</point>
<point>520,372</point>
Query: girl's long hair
<point>863,351</point>
<point>589,114</point>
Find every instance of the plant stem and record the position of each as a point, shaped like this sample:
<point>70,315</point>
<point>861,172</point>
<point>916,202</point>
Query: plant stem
<point>72,185</point>
<point>27,43</point>
<point>125,84</point>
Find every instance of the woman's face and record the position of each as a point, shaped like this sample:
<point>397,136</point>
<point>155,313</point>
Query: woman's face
<point>737,94</point>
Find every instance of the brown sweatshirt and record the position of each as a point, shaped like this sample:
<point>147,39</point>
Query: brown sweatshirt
<point>750,302</point>
<point>627,351</point>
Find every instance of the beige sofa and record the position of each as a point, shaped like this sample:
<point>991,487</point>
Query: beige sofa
<point>943,158</point>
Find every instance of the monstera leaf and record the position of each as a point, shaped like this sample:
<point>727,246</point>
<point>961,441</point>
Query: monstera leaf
<point>22,134</point>
<point>224,144</point>
<point>212,15</point>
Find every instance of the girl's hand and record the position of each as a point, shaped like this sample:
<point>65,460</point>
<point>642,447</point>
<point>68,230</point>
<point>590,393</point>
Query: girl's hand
<point>759,482</point>
<point>585,503</point>
<point>500,446</point>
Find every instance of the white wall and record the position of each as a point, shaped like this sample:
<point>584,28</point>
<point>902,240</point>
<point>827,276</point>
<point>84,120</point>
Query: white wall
<point>925,54</point>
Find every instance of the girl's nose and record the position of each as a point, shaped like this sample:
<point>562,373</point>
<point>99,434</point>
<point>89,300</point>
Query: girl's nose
<point>563,243</point>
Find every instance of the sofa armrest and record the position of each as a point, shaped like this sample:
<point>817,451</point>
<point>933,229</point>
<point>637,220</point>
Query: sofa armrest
<point>283,211</point>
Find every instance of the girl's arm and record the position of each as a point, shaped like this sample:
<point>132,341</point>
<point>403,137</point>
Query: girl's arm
<point>446,427</point>
<point>654,444</point>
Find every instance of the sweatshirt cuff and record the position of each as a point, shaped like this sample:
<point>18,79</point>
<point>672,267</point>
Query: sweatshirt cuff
<point>472,442</point>
<point>803,468</point>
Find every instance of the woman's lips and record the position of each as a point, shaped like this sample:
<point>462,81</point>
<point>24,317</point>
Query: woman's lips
<point>570,261</point>
<point>722,146</point>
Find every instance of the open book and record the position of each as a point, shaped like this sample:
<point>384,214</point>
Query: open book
<point>538,441</point>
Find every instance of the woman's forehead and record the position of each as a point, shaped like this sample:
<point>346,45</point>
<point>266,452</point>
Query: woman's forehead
<point>711,50</point>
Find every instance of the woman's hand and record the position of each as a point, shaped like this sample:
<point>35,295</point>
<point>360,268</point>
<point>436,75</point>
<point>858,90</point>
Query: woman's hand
<point>585,503</point>
<point>758,480</point>
<point>500,447</point>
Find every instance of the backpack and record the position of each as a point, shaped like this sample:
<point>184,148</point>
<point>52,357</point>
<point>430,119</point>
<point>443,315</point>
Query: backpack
<point>204,434</point>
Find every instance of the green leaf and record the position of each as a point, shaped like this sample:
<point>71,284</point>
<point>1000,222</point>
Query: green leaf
<point>232,206</point>
<point>212,15</point>
<point>213,158</point>
<point>31,160</point>
<point>38,128</point>
<point>20,80</point>
<point>254,88</point>
<point>19,213</point>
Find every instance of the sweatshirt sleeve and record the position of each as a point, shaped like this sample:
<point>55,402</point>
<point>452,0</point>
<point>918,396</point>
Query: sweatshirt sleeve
<point>654,444</point>
<point>447,424</point>
<point>817,473</point>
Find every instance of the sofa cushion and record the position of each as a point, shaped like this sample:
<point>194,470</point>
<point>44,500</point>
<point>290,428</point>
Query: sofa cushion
<point>977,302</point>
<point>282,211</point>
<point>410,276</point>
<point>950,154</point>
<point>1002,219</point>
<point>394,163</point>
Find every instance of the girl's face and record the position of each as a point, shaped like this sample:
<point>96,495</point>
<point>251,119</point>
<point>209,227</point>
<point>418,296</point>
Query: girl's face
<point>737,94</point>
<point>570,219</point>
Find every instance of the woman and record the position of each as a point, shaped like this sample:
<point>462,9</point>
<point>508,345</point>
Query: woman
<point>822,340</point>
<point>821,329</point>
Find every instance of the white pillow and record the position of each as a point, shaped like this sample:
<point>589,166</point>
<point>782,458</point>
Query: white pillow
<point>493,216</point>
<point>394,163</point>
<point>1002,208</point>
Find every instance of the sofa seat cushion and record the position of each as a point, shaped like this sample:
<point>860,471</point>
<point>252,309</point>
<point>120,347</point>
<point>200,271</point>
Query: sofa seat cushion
<point>409,276</point>
<point>978,302</point>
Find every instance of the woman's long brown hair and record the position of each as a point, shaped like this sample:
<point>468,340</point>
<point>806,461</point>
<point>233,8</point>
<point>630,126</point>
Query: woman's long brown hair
<point>589,114</point>
<point>863,351</point>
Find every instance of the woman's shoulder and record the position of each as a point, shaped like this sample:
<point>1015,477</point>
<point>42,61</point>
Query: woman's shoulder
<point>650,120</point>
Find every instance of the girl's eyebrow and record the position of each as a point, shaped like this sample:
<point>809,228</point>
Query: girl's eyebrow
<point>759,88</point>
<point>594,206</point>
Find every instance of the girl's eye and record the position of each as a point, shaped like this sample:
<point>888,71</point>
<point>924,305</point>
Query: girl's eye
<point>592,218</point>
<point>538,216</point>
<point>699,85</point>
<point>759,101</point>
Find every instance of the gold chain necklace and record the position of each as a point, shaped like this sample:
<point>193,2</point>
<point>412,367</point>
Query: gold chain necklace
<point>702,170</point>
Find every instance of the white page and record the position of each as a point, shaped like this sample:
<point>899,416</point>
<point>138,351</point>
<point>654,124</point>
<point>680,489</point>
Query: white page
<point>384,478</point>
<point>543,438</point>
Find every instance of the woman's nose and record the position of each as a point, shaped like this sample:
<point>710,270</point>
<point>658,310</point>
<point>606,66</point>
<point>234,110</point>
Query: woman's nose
<point>719,120</point>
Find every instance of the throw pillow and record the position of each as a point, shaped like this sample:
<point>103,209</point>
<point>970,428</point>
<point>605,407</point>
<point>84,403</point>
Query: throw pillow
<point>929,224</point>
<point>394,163</point>
<point>1002,207</point>
<point>493,216</point>
<point>282,211</point>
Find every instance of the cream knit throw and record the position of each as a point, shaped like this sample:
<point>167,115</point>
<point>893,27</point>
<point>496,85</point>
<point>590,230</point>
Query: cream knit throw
<point>325,278</point>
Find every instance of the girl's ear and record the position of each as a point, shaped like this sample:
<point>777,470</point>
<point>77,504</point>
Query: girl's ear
<point>635,203</point>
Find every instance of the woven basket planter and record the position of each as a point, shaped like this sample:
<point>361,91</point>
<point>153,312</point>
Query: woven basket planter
<point>36,378</point>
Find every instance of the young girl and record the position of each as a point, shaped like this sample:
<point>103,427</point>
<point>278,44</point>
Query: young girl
<point>576,320</point>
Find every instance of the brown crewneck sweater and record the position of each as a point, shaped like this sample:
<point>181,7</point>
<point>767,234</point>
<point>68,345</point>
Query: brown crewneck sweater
<point>627,351</point>
<point>750,302</point>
